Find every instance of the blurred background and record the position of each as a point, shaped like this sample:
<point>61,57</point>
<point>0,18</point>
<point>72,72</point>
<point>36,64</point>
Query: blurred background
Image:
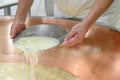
<point>9,7</point>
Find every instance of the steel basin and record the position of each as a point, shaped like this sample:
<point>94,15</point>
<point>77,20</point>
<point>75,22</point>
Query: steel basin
<point>96,58</point>
<point>48,30</point>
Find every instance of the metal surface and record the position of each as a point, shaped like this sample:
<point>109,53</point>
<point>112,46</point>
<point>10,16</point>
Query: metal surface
<point>97,58</point>
<point>49,30</point>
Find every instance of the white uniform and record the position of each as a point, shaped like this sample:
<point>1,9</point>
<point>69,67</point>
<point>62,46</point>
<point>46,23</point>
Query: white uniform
<point>80,8</point>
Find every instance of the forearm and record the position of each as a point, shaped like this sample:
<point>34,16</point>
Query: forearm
<point>22,10</point>
<point>98,9</point>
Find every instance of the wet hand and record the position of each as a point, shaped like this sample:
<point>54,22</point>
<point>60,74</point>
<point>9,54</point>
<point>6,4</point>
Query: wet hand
<point>76,35</point>
<point>16,28</point>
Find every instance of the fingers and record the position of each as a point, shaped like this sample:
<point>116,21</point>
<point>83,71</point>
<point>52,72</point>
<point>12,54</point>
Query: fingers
<point>76,35</point>
<point>16,30</point>
<point>20,28</point>
<point>74,38</point>
<point>12,32</point>
<point>69,36</point>
<point>73,41</point>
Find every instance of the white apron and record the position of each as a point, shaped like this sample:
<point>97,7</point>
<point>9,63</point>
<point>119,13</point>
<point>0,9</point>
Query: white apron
<point>80,8</point>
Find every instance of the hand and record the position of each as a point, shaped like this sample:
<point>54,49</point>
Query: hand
<point>16,28</point>
<point>76,35</point>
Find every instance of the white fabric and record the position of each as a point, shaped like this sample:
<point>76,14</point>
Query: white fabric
<point>80,8</point>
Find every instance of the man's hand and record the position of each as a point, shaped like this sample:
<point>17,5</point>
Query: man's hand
<point>20,17</point>
<point>16,28</point>
<point>78,32</point>
<point>76,35</point>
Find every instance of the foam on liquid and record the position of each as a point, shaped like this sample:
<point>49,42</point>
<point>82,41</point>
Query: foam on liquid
<point>34,44</point>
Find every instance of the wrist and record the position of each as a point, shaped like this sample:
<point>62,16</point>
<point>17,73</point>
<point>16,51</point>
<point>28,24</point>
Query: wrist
<point>19,18</point>
<point>18,21</point>
<point>86,24</point>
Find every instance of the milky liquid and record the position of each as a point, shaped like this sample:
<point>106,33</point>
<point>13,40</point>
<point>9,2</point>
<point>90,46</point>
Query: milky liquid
<point>21,71</point>
<point>34,44</point>
<point>18,71</point>
<point>31,45</point>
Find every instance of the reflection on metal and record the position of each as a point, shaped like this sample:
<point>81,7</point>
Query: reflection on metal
<point>96,58</point>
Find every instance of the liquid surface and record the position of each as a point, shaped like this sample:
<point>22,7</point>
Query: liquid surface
<point>21,71</point>
<point>34,44</point>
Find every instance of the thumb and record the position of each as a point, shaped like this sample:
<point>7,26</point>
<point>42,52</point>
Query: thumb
<point>70,35</point>
<point>12,33</point>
